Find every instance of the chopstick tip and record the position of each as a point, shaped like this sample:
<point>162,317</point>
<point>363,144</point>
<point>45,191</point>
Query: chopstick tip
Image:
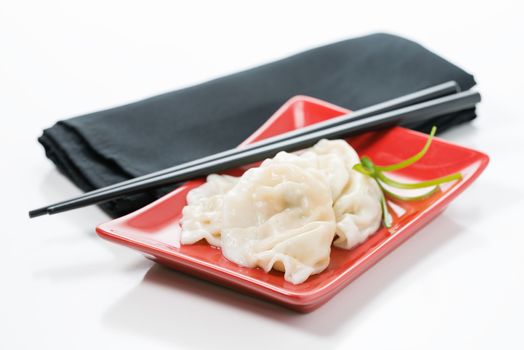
<point>38,212</point>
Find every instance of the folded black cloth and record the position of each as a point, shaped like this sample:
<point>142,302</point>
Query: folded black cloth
<point>109,146</point>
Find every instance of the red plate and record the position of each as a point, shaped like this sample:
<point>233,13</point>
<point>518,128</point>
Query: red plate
<point>154,229</point>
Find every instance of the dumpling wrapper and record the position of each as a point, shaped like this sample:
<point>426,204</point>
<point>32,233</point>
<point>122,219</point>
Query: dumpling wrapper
<point>358,211</point>
<point>279,216</point>
<point>335,159</point>
<point>202,216</point>
<point>356,203</point>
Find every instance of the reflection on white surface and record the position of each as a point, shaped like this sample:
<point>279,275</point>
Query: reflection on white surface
<point>180,309</point>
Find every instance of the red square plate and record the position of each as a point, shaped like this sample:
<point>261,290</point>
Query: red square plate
<point>154,230</point>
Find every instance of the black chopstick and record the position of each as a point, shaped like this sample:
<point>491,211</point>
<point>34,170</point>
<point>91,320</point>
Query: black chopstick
<point>419,112</point>
<point>432,92</point>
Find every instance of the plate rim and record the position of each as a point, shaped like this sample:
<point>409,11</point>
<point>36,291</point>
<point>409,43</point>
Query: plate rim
<point>281,294</point>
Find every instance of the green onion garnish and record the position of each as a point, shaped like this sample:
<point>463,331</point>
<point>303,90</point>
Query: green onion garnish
<point>367,167</point>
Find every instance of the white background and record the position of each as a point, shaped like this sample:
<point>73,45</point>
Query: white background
<point>459,283</point>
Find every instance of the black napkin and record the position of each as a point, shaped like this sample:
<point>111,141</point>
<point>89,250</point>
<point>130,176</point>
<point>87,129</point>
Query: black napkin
<point>109,146</point>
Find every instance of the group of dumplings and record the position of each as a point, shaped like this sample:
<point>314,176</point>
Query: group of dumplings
<point>286,213</point>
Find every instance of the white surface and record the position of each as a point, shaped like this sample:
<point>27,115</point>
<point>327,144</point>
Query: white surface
<point>457,284</point>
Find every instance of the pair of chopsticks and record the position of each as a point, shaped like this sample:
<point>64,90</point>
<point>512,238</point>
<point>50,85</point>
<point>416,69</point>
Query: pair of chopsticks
<point>415,107</point>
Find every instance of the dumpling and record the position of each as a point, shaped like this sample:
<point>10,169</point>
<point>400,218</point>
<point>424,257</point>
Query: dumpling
<point>286,213</point>
<point>335,160</point>
<point>202,216</point>
<point>358,211</point>
<point>280,216</point>
<point>356,197</point>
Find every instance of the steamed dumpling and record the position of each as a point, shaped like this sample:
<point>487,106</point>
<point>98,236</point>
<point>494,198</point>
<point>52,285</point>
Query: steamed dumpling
<point>358,211</point>
<point>202,216</point>
<point>357,200</point>
<point>280,216</point>
<point>286,213</point>
<point>335,160</point>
